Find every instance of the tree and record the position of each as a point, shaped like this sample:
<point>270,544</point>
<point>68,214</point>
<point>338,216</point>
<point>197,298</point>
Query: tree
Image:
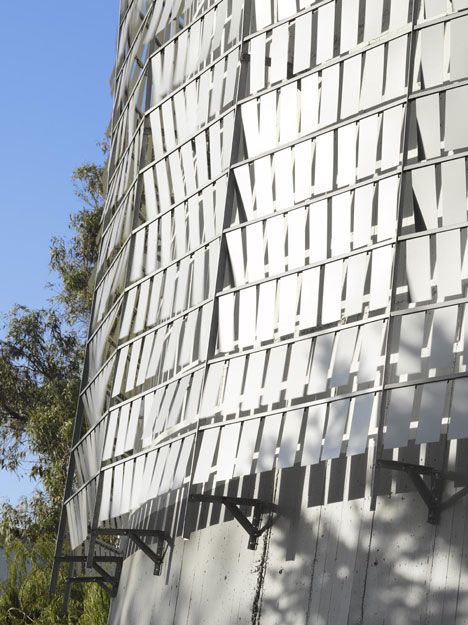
<point>74,261</point>
<point>41,356</point>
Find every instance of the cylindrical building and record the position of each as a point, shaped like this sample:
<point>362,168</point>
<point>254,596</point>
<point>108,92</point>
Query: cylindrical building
<point>272,423</point>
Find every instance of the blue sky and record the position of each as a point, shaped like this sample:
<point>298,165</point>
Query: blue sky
<point>55,63</point>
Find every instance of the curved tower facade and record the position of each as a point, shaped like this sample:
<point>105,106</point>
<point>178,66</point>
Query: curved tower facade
<point>272,426</point>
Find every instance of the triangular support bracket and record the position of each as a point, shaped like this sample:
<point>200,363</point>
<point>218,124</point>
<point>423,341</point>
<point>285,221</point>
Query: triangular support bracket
<point>430,493</point>
<point>136,536</point>
<point>233,504</point>
<point>108,582</point>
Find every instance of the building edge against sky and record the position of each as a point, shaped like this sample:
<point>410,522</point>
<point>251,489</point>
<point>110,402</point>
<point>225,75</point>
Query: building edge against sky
<point>272,416</point>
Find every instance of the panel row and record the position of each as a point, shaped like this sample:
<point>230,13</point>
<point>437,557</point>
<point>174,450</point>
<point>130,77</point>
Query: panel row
<point>306,300</point>
<point>192,108</point>
<point>293,47</point>
<point>326,97</point>
<point>331,160</point>
<point>420,412</point>
<point>312,234</point>
<point>188,169</point>
<point>282,440</point>
<point>336,362</point>
<point>79,509</point>
<point>441,54</point>
<point>173,235</point>
<point>435,196</point>
<point>110,286</point>
<point>196,47</point>
<point>162,23</point>
<point>163,353</point>
<point>128,485</point>
<point>437,125</point>
<point>428,344</point>
<point>116,229</point>
<point>170,292</point>
<point>433,268</point>
<point>135,424</point>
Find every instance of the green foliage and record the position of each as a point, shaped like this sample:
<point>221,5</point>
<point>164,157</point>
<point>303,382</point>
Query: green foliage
<point>41,356</point>
<point>74,260</point>
<point>25,596</point>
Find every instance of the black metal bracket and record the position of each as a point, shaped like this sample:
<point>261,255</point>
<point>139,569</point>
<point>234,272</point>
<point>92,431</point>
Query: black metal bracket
<point>431,494</point>
<point>136,536</point>
<point>108,582</point>
<point>233,504</point>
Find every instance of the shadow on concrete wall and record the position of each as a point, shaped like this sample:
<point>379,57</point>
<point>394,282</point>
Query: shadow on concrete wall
<point>328,560</point>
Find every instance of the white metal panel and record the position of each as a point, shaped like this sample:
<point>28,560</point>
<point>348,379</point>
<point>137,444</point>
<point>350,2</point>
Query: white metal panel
<point>227,451</point>
<point>331,303</point>
<point>454,191</point>
<point>302,155</point>
<point>309,298</point>
<point>275,235</point>
<point>361,419</point>
<point>205,455</point>
<point>211,388</point>
<point>431,412</point>
<point>346,155</point>
<point>399,417</point>
<point>396,58</point>
<point>263,185</point>
<point>351,81</point>
<point>266,311</point>
<point>382,260</point>
<point>297,371</point>
<point>367,145</point>
<point>372,78</point>
<point>418,267</point>
<point>181,469</point>
<point>324,160</point>
<point>410,344</point>
<point>274,375</point>
<point>247,316</point>
<point>287,302</point>
<point>341,224</point>
<point>456,131</point>
<point>302,42</point>
<point>355,281</point>
<point>257,61</point>
<point>329,95</point>
<point>233,387</point>
<point>290,438</point>
<point>320,364</point>
<point>246,449</point>
<point>284,181</point>
<point>336,424</point>
<point>458,48</point>
<point>279,53</point>
<point>325,32</point>
<point>443,338</point>
<point>253,381</point>
<point>343,356</point>
<point>236,256</point>
<point>255,252</point>
<point>448,264</point>
<point>363,200</point>
<point>268,443</point>
<point>312,445</point>
<point>424,188</point>
<point>226,322</point>
<point>391,137</point>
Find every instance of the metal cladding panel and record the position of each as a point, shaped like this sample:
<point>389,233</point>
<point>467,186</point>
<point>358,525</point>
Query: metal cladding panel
<point>282,273</point>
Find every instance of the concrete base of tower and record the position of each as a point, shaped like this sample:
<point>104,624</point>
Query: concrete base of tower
<point>335,564</point>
